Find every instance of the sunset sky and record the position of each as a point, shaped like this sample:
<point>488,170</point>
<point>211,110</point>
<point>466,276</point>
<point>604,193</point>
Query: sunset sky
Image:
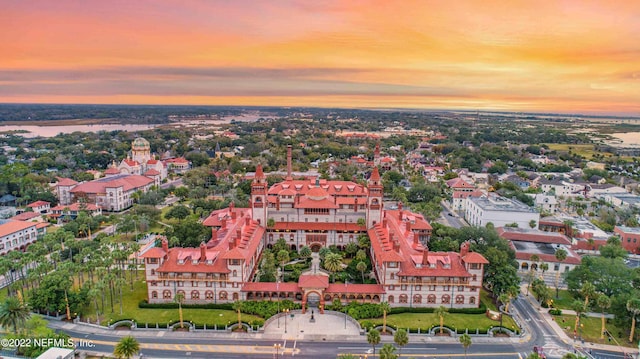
<point>508,55</point>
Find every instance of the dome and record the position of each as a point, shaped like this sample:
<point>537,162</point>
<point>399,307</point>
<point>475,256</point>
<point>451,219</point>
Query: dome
<point>140,143</point>
<point>317,193</point>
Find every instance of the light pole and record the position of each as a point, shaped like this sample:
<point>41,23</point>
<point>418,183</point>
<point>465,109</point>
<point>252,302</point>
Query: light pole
<point>277,347</point>
<point>286,312</point>
<point>277,290</point>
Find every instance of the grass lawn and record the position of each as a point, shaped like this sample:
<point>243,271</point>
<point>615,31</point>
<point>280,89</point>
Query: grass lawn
<point>428,320</point>
<point>162,316</point>
<point>485,297</point>
<point>591,330</point>
<point>565,300</point>
<point>585,150</point>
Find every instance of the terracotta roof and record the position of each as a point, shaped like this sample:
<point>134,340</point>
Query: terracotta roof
<point>25,216</point>
<point>66,182</point>
<point>112,171</point>
<point>387,159</point>
<point>461,194</point>
<point>154,252</point>
<point>355,288</point>
<point>40,225</point>
<point>73,207</point>
<point>526,235</point>
<point>127,182</point>
<point>152,162</point>
<point>313,281</point>
<point>551,258</point>
<point>458,183</point>
<point>334,188</point>
<point>170,265</point>
<point>270,287</point>
<point>307,202</point>
<point>38,204</point>
<point>152,172</point>
<point>473,257</point>
<point>259,174</point>
<point>318,226</point>
<point>177,160</point>
<point>375,175</point>
<point>131,163</point>
<point>14,226</point>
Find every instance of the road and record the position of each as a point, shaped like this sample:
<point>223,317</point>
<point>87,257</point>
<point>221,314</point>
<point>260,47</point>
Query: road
<point>451,218</point>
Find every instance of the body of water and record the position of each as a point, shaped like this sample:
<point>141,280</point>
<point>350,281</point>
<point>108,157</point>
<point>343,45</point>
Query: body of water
<point>628,138</point>
<point>50,131</point>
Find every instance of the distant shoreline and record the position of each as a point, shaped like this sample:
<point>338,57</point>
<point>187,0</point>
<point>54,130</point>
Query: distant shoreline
<point>67,122</point>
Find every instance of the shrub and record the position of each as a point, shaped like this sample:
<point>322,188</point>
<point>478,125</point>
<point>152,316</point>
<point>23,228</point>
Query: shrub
<point>555,311</point>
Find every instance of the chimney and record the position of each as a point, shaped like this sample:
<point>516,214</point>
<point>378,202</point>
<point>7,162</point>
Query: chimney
<point>203,251</point>
<point>289,163</point>
<point>247,221</point>
<point>396,246</point>
<point>384,223</point>
<point>223,223</point>
<point>400,211</point>
<point>425,256</point>
<point>238,233</point>
<point>214,233</point>
<point>415,239</point>
<point>232,243</point>
<point>408,226</point>
<point>464,249</point>
<point>165,245</point>
<point>355,207</point>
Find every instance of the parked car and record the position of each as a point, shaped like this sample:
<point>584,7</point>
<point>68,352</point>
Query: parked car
<point>540,351</point>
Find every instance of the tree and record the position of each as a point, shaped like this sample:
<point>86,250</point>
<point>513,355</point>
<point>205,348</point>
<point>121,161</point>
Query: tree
<point>544,267</point>
<point>189,233</point>
<point>333,262</point>
<point>532,223</point>
<point>13,313</point>
<point>579,308</point>
<point>633,306</point>
<point>178,212</point>
<point>401,339</point>
<point>384,306</point>
<point>388,351</point>
<point>465,340</point>
<point>126,348</point>
<point>588,290</point>
<point>361,267</point>
<point>561,255</point>
<point>282,257</point>
<point>373,337</point>
<point>238,306</point>
<point>361,255</point>
<point>604,303</point>
<point>305,252</point>
<point>441,312</point>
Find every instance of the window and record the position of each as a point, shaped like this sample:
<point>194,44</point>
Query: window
<point>472,289</point>
<point>459,299</point>
<point>392,276</point>
<point>390,299</point>
<point>153,272</point>
<point>472,300</point>
<point>417,298</point>
<point>446,299</point>
<point>392,287</point>
<point>431,299</point>
<point>418,287</point>
<point>223,295</point>
<point>403,298</point>
<point>235,273</point>
<point>195,294</point>
<point>446,287</point>
<point>403,287</point>
<point>208,294</point>
<point>154,295</point>
<point>166,294</point>
<point>460,288</point>
<point>432,288</point>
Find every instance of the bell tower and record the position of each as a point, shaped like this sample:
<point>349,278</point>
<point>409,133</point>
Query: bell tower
<point>259,197</point>
<point>376,191</point>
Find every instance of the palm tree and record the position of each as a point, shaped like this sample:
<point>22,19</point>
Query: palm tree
<point>333,262</point>
<point>13,313</point>
<point>504,299</point>
<point>384,306</point>
<point>179,300</point>
<point>305,252</point>
<point>543,267</point>
<point>561,255</point>
<point>238,306</point>
<point>388,351</point>
<point>401,339</point>
<point>633,306</point>
<point>441,311</point>
<point>126,348</point>
<point>465,340</point>
<point>588,290</point>
<point>361,255</point>
<point>373,337</point>
<point>361,267</point>
<point>579,308</point>
<point>604,303</point>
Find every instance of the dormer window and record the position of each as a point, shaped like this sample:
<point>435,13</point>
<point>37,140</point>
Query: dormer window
<point>180,261</point>
<point>209,261</point>
<point>195,261</point>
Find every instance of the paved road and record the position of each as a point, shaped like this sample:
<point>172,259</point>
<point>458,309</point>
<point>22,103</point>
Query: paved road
<point>451,218</point>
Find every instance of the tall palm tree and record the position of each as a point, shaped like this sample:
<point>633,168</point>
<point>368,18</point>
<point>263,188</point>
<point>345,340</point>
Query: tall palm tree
<point>385,309</point>
<point>373,337</point>
<point>333,262</point>
<point>588,290</point>
<point>388,351</point>
<point>238,306</point>
<point>361,267</point>
<point>579,308</point>
<point>401,339</point>
<point>13,313</point>
<point>126,348</point>
<point>604,303</point>
<point>633,306</point>
<point>465,340</point>
<point>561,255</point>
<point>441,311</point>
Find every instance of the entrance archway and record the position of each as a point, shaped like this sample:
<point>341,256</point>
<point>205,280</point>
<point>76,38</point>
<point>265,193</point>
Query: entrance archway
<point>315,247</point>
<point>313,299</point>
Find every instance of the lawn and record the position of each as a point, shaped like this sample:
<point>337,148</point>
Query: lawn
<point>424,321</point>
<point>565,300</point>
<point>485,297</point>
<point>585,150</point>
<point>162,316</point>
<point>591,330</point>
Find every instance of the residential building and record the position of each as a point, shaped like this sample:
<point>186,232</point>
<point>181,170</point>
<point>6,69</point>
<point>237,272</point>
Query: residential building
<point>17,235</point>
<point>41,207</point>
<point>629,238</point>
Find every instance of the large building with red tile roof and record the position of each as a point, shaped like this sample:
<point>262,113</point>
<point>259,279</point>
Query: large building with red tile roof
<point>111,193</point>
<point>316,213</point>
<point>140,162</point>
<point>17,235</point>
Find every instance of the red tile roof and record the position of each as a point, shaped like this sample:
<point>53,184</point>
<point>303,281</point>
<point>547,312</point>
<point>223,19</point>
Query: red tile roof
<point>66,182</point>
<point>313,226</point>
<point>40,225</point>
<point>152,162</point>
<point>152,172</point>
<point>154,252</point>
<point>25,216</point>
<point>131,163</point>
<point>313,281</point>
<point>112,171</point>
<point>171,265</point>
<point>306,202</point>
<point>177,160</point>
<point>526,235</point>
<point>473,257</point>
<point>355,288</point>
<point>334,188</point>
<point>38,204</point>
<point>270,287</point>
<point>74,207</point>
<point>259,174</point>
<point>458,183</point>
<point>375,175</point>
<point>14,226</point>
<point>461,194</point>
<point>127,182</point>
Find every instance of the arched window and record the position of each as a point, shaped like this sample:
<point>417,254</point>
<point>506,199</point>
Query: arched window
<point>403,298</point>
<point>208,294</point>
<point>525,266</point>
<point>431,299</point>
<point>472,300</point>
<point>459,299</point>
<point>154,295</point>
<point>223,295</point>
<point>181,292</point>
<point>259,199</point>
<point>417,298</point>
<point>534,266</point>
<point>166,294</point>
<point>235,273</point>
<point>153,272</point>
<point>390,299</point>
<point>195,294</point>
<point>235,296</point>
<point>446,299</point>
<point>475,277</point>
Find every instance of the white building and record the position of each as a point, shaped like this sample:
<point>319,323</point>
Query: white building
<point>546,203</point>
<point>17,235</point>
<point>500,211</point>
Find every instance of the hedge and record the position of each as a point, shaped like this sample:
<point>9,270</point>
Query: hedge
<point>144,304</point>
<point>481,310</point>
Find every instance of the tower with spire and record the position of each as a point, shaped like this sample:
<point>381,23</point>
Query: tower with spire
<point>259,196</point>
<point>376,191</point>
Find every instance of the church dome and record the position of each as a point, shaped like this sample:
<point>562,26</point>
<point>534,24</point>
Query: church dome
<point>140,144</point>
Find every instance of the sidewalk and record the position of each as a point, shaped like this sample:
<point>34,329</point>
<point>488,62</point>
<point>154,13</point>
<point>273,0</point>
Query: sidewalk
<point>562,335</point>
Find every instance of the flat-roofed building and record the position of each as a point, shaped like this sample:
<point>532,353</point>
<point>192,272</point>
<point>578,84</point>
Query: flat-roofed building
<point>500,211</point>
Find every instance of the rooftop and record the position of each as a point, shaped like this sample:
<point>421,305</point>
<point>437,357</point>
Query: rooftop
<point>499,203</point>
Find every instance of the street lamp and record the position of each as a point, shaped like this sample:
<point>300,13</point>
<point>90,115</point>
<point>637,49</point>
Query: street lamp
<point>286,312</point>
<point>277,347</point>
